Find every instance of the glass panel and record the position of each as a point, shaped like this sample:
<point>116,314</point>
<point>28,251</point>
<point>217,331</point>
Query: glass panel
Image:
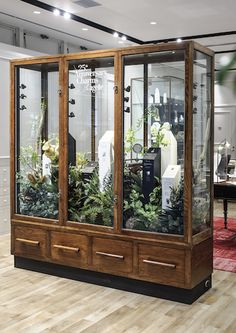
<point>153,121</point>
<point>91,141</point>
<point>37,140</point>
<point>201,141</point>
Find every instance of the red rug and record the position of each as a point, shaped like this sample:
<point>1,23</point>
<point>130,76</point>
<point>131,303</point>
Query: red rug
<point>224,245</point>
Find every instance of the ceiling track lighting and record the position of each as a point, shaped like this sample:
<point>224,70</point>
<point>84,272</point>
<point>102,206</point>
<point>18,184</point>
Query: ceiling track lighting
<point>66,15</point>
<point>23,107</point>
<point>22,86</point>
<point>126,99</point>
<point>127,110</point>
<point>56,12</point>
<point>22,96</point>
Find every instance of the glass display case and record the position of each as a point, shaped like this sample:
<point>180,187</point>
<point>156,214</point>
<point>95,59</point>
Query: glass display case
<point>37,139</point>
<point>112,167</point>
<point>154,142</point>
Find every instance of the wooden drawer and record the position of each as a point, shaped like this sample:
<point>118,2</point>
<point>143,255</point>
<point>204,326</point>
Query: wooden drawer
<point>112,256</point>
<point>161,265</point>
<point>69,249</point>
<point>30,242</point>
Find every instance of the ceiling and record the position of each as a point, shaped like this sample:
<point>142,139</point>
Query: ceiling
<point>132,18</point>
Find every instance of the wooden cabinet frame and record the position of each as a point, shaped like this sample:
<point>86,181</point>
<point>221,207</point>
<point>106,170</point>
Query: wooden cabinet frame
<point>151,273</point>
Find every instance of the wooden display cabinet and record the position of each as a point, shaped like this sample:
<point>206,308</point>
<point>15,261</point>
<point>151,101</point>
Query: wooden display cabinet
<point>111,167</point>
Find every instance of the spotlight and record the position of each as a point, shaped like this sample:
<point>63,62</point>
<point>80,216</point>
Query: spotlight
<point>127,89</point>
<point>22,86</point>
<point>126,99</point>
<point>178,40</point>
<point>72,101</point>
<point>23,96</point>
<point>56,12</point>
<point>127,109</point>
<point>115,34</point>
<point>23,107</point>
<point>67,16</point>
<point>123,37</point>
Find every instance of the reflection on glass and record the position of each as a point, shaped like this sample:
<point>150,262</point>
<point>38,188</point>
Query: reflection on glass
<point>154,142</point>
<point>91,141</point>
<point>201,141</point>
<point>37,140</point>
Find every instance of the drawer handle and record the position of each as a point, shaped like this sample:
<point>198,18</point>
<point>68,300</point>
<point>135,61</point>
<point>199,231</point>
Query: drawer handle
<point>28,241</point>
<point>117,256</point>
<point>159,263</point>
<point>68,248</point>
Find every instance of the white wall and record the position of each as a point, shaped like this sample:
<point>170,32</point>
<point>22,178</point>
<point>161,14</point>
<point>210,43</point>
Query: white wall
<point>225,114</point>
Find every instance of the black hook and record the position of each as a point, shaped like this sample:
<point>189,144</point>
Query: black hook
<point>72,101</point>
<point>127,89</point>
<point>127,109</point>
<point>71,86</point>
<point>71,115</point>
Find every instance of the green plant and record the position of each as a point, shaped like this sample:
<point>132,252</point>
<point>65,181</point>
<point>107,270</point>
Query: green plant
<point>37,193</point>
<point>225,71</point>
<point>141,215</point>
<point>38,198</point>
<point>75,193</point>
<point>51,150</point>
<point>98,205</point>
<point>157,132</point>
<point>129,140</point>
<point>158,136</point>
<point>171,218</point>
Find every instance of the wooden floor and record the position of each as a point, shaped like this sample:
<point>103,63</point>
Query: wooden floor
<point>33,302</point>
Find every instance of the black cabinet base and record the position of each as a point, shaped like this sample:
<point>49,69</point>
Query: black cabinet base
<point>187,296</point>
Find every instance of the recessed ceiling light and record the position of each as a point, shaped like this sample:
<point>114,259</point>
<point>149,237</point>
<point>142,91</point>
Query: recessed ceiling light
<point>36,12</point>
<point>67,15</point>
<point>56,12</point>
<point>85,29</point>
<point>153,23</point>
<point>115,34</point>
<point>224,60</point>
<point>178,40</point>
<point>123,37</point>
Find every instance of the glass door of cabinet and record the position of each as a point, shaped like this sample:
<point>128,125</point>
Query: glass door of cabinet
<point>91,141</point>
<point>202,119</point>
<point>37,139</point>
<point>153,141</point>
